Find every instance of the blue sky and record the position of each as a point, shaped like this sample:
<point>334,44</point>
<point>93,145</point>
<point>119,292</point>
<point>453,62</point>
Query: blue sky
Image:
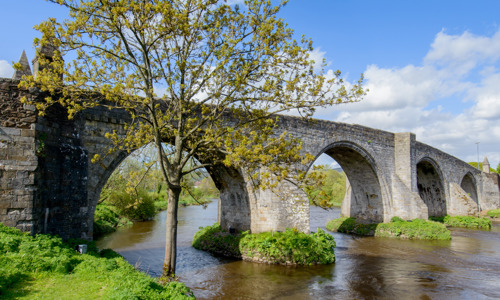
<point>432,67</point>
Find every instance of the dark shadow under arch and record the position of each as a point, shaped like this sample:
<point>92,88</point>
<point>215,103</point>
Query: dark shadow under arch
<point>468,184</point>
<point>430,187</point>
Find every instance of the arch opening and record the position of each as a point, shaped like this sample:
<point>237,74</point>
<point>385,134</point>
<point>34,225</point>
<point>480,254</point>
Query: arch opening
<point>430,188</point>
<point>218,183</point>
<point>468,184</point>
<point>363,194</point>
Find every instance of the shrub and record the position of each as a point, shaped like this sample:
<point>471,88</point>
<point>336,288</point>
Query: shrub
<point>494,213</point>
<point>416,229</point>
<point>289,247</point>
<point>138,206</point>
<point>468,222</point>
<point>161,204</point>
<point>217,241</point>
<point>107,220</point>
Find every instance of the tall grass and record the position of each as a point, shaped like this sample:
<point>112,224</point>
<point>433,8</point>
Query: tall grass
<point>45,267</point>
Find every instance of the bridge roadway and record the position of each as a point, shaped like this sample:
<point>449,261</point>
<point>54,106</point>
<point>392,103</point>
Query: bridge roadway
<point>49,185</point>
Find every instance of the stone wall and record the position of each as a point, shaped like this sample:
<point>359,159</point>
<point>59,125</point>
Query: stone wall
<point>18,160</point>
<point>61,177</point>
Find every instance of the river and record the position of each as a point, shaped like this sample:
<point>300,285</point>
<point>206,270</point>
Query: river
<point>467,267</point>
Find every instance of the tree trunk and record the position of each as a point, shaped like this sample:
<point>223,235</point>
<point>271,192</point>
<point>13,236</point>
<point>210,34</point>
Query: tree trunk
<point>171,235</point>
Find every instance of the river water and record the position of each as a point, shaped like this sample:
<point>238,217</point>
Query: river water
<point>467,267</point>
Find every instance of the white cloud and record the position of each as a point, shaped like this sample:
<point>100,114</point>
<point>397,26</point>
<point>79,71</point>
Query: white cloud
<point>6,70</point>
<point>318,56</point>
<point>464,52</point>
<point>428,99</point>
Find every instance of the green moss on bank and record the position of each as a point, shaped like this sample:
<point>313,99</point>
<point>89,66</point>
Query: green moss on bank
<point>397,228</point>
<point>45,267</point>
<point>288,248</point>
<point>350,226</point>
<point>468,222</point>
<point>494,213</point>
<point>417,229</point>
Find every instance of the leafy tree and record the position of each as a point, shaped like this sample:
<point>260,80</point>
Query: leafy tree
<point>498,169</point>
<point>326,187</point>
<point>181,68</point>
<point>475,165</point>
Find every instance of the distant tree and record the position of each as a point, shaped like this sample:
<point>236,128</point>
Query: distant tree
<point>498,169</point>
<point>474,164</point>
<point>326,187</point>
<point>179,68</point>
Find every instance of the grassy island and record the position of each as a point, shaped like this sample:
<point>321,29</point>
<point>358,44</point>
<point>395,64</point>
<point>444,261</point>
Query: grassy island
<point>45,267</point>
<point>397,228</point>
<point>494,213</point>
<point>465,222</point>
<point>417,229</point>
<point>351,226</point>
<point>290,247</point>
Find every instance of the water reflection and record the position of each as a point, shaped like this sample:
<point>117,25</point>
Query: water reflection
<point>467,267</point>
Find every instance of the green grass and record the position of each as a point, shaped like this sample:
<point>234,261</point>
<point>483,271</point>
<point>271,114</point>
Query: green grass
<point>468,222</point>
<point>417,229</point>
<point>351,226</point>
<point>494,213</point>
<point>45,267</point>
<point>289,247</point>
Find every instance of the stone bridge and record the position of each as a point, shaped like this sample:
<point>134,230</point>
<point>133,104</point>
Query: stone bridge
<point>49,185</point>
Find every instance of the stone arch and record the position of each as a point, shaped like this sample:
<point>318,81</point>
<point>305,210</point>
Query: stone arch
<point>468,184</point>
<point>366,197</point>
<point>430,187</point>
<point>234,204</point>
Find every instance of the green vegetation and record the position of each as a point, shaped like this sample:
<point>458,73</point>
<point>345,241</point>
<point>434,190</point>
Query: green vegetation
<point>350,226</point>
<point>45,267</point>
<point>417,229</point>
<point>106,220</point>
<point>468,222</point>
<point>474,164</point>
<point>464,221</point>
<point>134,192</point>
<point>397,228</point>
<point>494,213</point>
<point>137,206</point>
<point>289,247</point>
<point>327,187</point>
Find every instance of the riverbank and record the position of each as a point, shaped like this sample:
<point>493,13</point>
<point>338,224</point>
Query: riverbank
<point>45,267</point>
<point>290,247</point>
